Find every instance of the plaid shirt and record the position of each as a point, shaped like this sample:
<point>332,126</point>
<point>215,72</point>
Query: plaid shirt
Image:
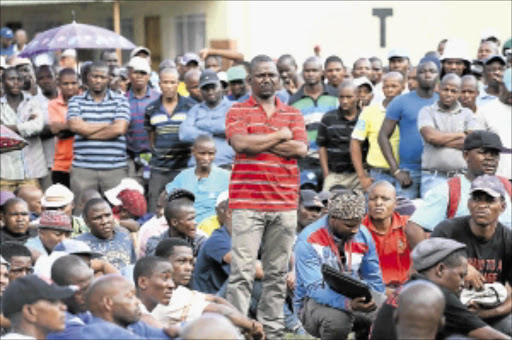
<point>30,161</point>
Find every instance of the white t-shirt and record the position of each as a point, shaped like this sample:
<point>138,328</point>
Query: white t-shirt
<point>185,305</point>
<point>17,336</point>
<point>497,117</point>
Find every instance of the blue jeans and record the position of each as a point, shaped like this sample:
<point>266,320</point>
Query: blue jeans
<point>429,181</point>
<point>378,175</point>
<point>413,191</point>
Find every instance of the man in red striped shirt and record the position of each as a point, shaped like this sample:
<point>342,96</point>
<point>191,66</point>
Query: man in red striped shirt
<point>268,137</point>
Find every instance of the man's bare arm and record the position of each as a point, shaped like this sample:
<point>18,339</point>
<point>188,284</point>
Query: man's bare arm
<point>85,129</point>
<point>114,130</point>
<point>290,149</point>
<point>437,138</point>
<point>258,143</point>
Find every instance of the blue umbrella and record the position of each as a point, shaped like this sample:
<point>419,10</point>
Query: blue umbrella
<point>76,36</point>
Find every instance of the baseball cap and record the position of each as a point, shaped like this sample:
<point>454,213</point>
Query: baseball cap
<point>431,251</point>
<point>482,139</point>
<point>507,79</point>
<point>223,196</point>
<point>236,73</point>
<point>56,196</point>
<point>30,289</point>
<point>3,64</point>
<point>432,59</point>
<point>51,219</point>
<point>363,81</point>
<point>21,61</point>
<point>139,49</point>
<point>70,52</point>
<point>494,58</point>
<point>3,261</point>
<point>310,199</point>
<point>76,247</point>
<point>139,64</point>
<point>208,77</point>
<point>489,33</point>
<point>398,53</point>
<point>7,33</point>
<point>347,205</point>
<point>5,195</point>
<point>188,57</point>
<point>456,49</point>
<point>488,184</point>
<point>223,77</point>
<point>42,60</point>
<point>324,196</point>
<point>126,183</point>
<point>308,177</point>
<point>167,63</point>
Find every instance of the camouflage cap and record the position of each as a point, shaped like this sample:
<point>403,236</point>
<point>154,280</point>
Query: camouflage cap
<point>347,205</point>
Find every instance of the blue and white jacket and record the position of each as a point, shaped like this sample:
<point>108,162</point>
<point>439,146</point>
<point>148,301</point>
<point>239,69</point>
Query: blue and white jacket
<point>314,247</point>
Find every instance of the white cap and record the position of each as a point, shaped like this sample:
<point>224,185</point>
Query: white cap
<point>223,196</point>
<point>126,183</point>
<point>223,76</point>
<point>138,49</point>
<point>456,49</point>
<point>21,61</point>
<point>56,196</point>
<point>2,62</point>
<point>363,81</point>
<point>490,33</point>
<point>43,59</point>
<point>139,64</point>
<point>3,261</point>
<point>70,52</point>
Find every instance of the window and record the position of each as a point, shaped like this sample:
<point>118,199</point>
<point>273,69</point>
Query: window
<point>190,33</point>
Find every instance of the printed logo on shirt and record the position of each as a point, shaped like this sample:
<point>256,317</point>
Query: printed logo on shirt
<point>360,125</point>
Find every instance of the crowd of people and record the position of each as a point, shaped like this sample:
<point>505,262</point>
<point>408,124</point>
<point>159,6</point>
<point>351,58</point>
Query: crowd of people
<point>204,199</point>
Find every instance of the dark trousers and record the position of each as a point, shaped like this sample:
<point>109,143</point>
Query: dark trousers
<point>157,182</point>
<point>61,177</point>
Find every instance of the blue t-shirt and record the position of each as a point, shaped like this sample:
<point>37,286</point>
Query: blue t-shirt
<point>211,271</point>
<point>119,250</point>
<point>405,109</point>
<point>205,190</point>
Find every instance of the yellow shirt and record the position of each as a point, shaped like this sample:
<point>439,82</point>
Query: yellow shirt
<point>182,89</point>
<point>209,224</point>
<point>367,127</point>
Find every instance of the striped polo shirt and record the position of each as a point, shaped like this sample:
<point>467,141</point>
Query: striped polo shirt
<point>266,181</point>
<point>137,139</point>
<point>99,154</point>
<point>168,153</point>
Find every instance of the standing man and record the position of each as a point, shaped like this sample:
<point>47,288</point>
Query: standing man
<point>139,96</point>
<point>334,71</point>
<point>334,140</point>
<point>162,120</point>
<point>367,128</point>
<point>237,84</point>
<point>494,67</point>
<point>403,112</point>
<point>209,118</point>
<point>496,117</point>
<point>99,118</point>
<point>21,113</point>
<point>443,127</point>
<point>469,92</point>
<point>7,45</point>
<point>57,112</point>
<point>20,39</point>
<point>191,81</point>
<point>399,62</point>
<point>268,137</point>
<point>313,99</point>
<point>287,67</point>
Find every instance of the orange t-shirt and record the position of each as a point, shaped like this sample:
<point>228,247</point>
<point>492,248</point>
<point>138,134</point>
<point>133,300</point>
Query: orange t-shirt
<point>393,249</point>
<point>57,112</point>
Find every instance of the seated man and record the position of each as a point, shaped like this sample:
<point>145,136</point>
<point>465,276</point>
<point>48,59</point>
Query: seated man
<point>116,246</point>
<point>16,219</point>
<point>72,270</point>
<point>340,241</point>
<point>206,181</point>
<point>488,244</point>
<point>155,226</point>
<point>180,215</point>
<point>60,198</point>
<point>309,209</point>
<point>34,308</point>
<point>188,305</point>
<point>444,263</point>
<point>53,227</point>
<point>387,228</point>
<point>209,118</point>
<point>115,310</point>
<point>448,200</point>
